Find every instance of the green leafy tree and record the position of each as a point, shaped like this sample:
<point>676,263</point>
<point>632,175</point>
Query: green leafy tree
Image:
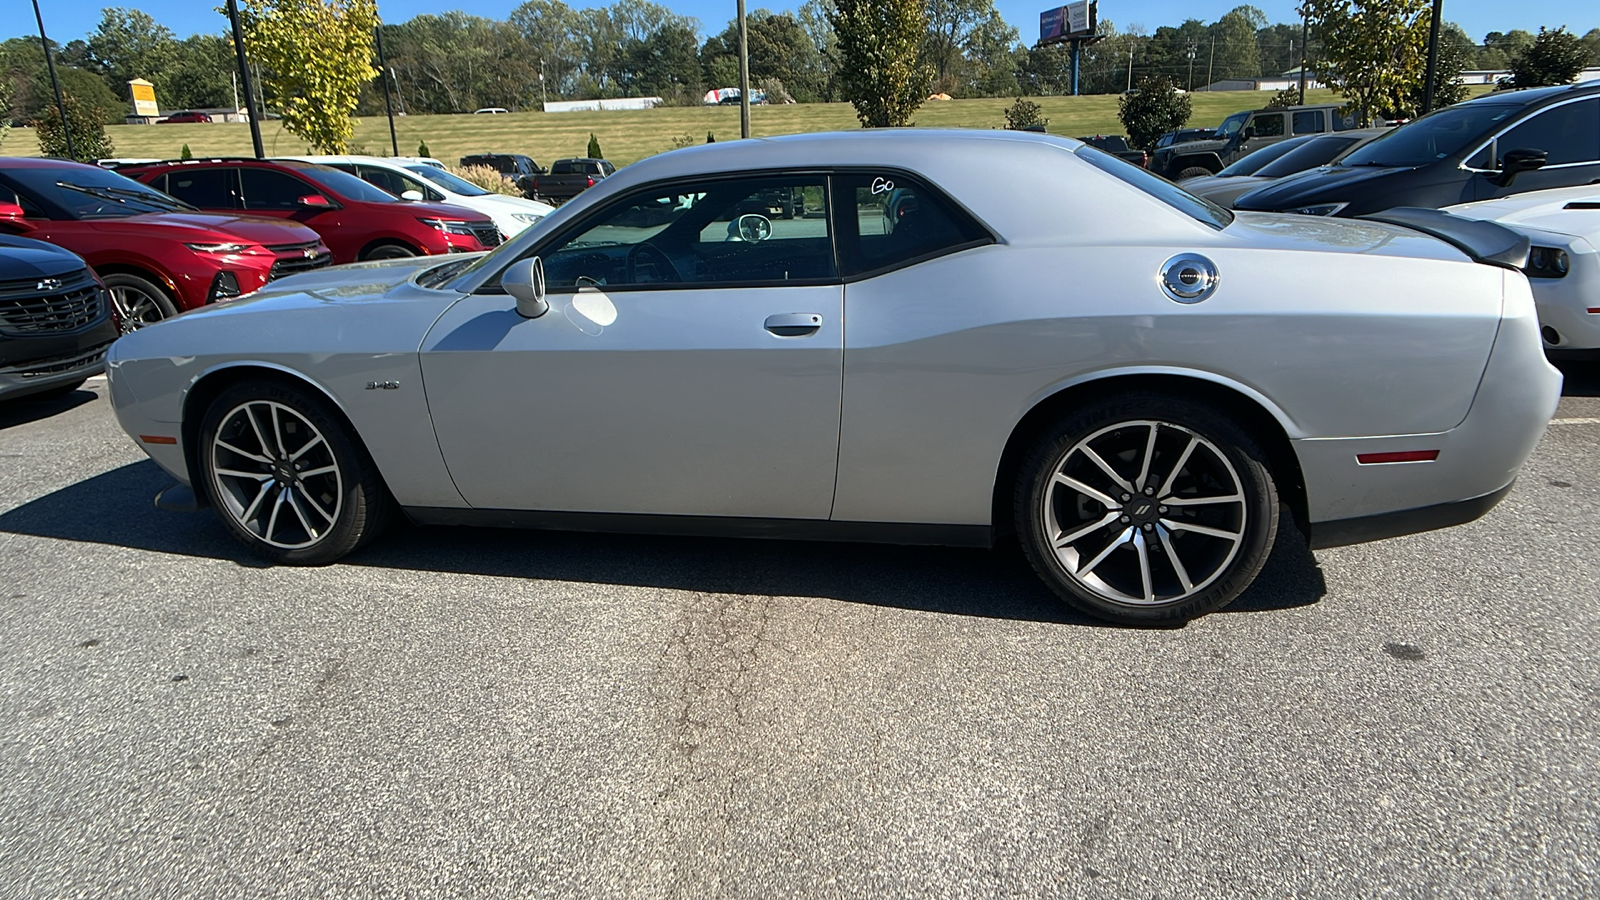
<point>1154,110</point>
<point>1289,96</point>
<point>879,69</point>
<point>1456,53</point>
<point>1023,114</point>
<point>6,91</point>
<point>1237,55</point>
<point>594,147</point>
<point>129,44</point>
<point>1554,57</point>
<point>1373,51</point>
<point>423,151</point>
<point>185,153</point>
<point>318,54</point>
<point>1591,40</point>
<point>87,129</point>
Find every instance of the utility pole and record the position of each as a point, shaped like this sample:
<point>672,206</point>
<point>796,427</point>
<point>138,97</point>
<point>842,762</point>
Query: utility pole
<point>388,105</point>
<point>544,96</point>
<point>244,79</point>
<point>1211,67</point>
<point>1130,68</point>
<point>61,103</point>
<point>401,98</point>
<point>1305,44</point>
<point>1433,57</point>
<point>1191,65</point>
<point>744,74</point>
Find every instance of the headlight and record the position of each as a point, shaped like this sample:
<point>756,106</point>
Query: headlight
<point>527,218</point>
<point>1548,262</point>
<point>219,248</point>
<point>448,226</point>
<point>1320,209</point>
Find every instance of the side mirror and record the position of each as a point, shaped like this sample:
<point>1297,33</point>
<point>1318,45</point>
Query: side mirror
<point>524,280</point>
<point>1515,162</point>
<point>754,228</point>
<point>11,217</point>
<point>314,201</point>
<point>413,196</point>
<point>1247,135</point>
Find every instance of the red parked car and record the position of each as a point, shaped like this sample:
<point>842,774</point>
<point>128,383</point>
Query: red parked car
<point>357,220</point>
<point>187,115</point>
<point>156,255</point>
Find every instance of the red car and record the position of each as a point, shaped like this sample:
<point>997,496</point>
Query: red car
<point>185,116</point>
<point>358,221</point>
<point>156,255</point>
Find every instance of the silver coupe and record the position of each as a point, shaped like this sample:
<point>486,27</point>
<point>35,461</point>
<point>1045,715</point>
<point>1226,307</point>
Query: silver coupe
<point>908,336</point>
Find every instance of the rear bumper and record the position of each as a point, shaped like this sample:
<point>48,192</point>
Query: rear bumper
<point>1343,532</point>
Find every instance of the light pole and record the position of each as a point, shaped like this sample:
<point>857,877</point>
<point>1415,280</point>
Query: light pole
<point>1305,37</point>
<point>244,79</point>
<point>388,105</point>
<point>744,74</point>
<point>1433,57</point>
<point>61,103</point>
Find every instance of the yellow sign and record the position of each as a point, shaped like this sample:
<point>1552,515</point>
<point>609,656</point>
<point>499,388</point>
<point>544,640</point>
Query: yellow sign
<point>144,98</point>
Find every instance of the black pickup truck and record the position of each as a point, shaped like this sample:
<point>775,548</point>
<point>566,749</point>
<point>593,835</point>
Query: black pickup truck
<point>567,178</point>
<point>1117,146</point>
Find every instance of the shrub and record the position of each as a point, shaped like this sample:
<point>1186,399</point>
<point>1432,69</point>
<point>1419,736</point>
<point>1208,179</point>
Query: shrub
<point>1155,109</point>
<point>486,178</point>
<point>683,140</point>
<point>422,149</point>
<point>1025,114</point>
<point>594,147</point>
<point>185,153</point>
<point>711,138</point>
<point>1554,57</point>
<point>88,132</point>
<point>1289,96</point>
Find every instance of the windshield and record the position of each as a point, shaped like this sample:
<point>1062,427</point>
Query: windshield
<point>1316,152</point>
<point>451,183</point>
<point>1231,125</point>
<point>1433,137</point>
<point>1176,197</point>
<point>345,185</point>
<point>1250,164</point>
<point>90,192</point>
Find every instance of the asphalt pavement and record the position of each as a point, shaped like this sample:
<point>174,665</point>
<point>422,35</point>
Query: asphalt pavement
<point>455,712</point>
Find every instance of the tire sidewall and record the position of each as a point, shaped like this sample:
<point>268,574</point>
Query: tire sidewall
<point>163,300</point>
<point>350,528</point>
<point>1241,452</point>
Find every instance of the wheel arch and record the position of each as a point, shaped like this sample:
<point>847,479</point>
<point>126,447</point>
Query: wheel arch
<point>148,273</point>
<point>1258,415</point>
<point>1211,161</point>
<point>388,240</point>
<point>210,384</point>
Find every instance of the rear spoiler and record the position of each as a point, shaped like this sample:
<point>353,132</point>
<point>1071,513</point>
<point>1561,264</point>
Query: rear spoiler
<point>1487,242</point>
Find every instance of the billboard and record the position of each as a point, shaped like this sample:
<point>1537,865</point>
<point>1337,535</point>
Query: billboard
<point>1072,20</point>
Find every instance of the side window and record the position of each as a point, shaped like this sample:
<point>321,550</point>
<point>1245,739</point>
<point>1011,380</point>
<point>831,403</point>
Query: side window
<point>896,220</point>
<point>1268,125</point>
<point>1309,121</point>
<point>1569,133</point>
<point>30,210</point>
<point>741,231</point>
<point>385,180</point>
<point>213,188</point>
<point>1342,121</point>
<point>269,189</point>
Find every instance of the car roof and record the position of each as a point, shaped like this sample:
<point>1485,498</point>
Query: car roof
<point>1530,96</point>
<point>38,162</point>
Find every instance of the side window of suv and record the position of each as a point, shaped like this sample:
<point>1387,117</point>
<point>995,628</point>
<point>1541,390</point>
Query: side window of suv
<point>1309,121</point>
<point>896,221</point>
<point>270,189</point>
<point>202,188</point>
<point>395,183</point>
<point>1268,125</point>
<point>1569,134</point>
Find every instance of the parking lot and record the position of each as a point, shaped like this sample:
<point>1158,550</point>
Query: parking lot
<point>485,713</point>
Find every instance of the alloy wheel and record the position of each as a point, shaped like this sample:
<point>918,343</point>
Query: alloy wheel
<point>276,475</point>
<point>135,307</point>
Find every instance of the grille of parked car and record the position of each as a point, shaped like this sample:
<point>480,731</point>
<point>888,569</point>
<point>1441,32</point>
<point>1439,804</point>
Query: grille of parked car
<point>296,258</point>
<point>30,306</point>
<point>487,233</point>
<point>57,365</point>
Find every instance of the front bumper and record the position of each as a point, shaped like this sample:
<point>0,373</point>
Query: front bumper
<point>36,364</point>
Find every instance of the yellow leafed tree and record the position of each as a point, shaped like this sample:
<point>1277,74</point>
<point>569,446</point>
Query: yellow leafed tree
<point>317,55</point>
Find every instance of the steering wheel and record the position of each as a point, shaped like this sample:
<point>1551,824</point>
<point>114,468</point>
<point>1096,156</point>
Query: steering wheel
<point>657,258</point>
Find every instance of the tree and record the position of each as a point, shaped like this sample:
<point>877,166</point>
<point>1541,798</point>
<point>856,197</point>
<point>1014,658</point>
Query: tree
<point>879,70</point>
<point>319,55</point>
<point>1025,115</point>
<point>1155,109</point>
<point>200,74</point>
<point>1554,57</point>
<point>594,147</point>
<point>5,106</point>
<point>88,132</point>
<point>1591,40</point>
<point>1373,51</point>
<point>128,44</point>
<point>1236,52</point>
<point>1456,52</point>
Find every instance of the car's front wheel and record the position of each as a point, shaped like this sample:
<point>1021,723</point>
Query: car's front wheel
<point>138,301</point>
<point>284,474</point>
<point>1145,508</point>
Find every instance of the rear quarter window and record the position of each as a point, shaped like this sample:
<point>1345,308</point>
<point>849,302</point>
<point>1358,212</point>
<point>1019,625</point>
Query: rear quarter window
<point>1200,210</point>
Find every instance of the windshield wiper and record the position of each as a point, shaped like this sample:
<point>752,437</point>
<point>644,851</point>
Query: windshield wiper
<point>123,195</point>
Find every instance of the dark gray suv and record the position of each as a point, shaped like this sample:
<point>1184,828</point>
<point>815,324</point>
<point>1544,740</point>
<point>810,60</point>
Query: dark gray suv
<point>55,320</point>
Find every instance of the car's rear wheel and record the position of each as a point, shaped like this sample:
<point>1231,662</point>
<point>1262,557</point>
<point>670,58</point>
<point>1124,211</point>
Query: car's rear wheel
<point>1145,508</point>
<point>138,301</point>
<point>388,251</point>
<point>1193,172</point>
<point>285,475</point>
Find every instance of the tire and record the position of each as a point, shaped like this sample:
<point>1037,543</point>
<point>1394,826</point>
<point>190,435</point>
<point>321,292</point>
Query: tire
<point>139,302</point>
<point>1113,558</point>
<point>388,251</point>
<point>1193,172</point>
<point>285,475</point>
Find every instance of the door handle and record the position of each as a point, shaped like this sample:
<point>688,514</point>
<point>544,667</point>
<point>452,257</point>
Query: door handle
<point>793,324</point>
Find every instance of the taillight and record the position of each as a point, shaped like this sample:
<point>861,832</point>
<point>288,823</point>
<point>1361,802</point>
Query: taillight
<point>591,182</point>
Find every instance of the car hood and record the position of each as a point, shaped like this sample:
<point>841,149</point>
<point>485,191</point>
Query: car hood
<point>1573,211</point>
<point>1223,191</point>
<point>1188,147</point>
<point>1326,184</point>
<point>252,228</point>
<point>445,210</point>
<point>26,259</point>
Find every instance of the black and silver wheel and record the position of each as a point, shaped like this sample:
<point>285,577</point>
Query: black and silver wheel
<point>389,251</point>
<point>284,475</point>
<point>1193,172</point>
<point>138,302</point>
<point>1147,508</point>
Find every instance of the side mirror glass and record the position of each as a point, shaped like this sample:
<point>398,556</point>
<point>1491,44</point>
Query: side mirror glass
<point>314,201</point>
<point>754,228</point>
<point>413,196</point>
<point>1515,162</point>
<point>524,281</point>
<point>1247,134</point>
<point>11,216</point>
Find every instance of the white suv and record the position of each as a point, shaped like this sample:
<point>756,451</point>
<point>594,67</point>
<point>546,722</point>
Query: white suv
<point>415,180</point>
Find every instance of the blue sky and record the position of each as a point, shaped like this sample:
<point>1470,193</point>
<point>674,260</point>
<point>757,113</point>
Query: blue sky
<point>69,19</point>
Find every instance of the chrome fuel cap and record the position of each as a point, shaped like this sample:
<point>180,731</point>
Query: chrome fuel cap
<point>1189,278</point>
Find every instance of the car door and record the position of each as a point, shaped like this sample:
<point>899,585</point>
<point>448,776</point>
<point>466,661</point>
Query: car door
<point>690,363</point>
<point>277,194</point>
<point>1568,133</point>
